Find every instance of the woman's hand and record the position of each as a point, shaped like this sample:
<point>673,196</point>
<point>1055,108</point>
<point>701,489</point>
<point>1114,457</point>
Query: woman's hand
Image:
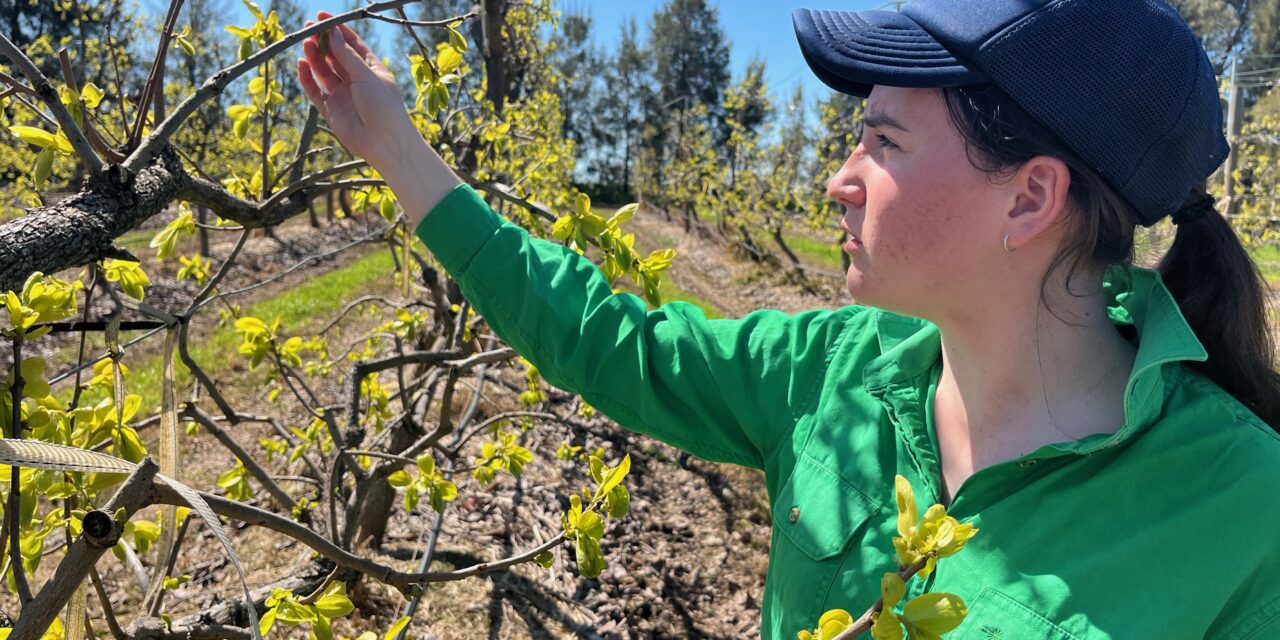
<point>360,100</point>
<point>355,93</point>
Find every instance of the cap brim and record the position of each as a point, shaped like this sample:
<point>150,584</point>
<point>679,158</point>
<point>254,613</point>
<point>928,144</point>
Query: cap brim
<point>852,51</point>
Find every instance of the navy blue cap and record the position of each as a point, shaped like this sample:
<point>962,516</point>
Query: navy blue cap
<point>1124,83</point>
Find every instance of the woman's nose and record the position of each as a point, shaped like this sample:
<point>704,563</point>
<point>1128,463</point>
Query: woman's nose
<point>845,187</point>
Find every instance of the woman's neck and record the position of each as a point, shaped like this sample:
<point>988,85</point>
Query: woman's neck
<point>1025,377</point>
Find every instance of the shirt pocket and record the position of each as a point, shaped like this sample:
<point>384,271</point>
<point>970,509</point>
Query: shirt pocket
<point>996,616</point>
<point>818,511</point>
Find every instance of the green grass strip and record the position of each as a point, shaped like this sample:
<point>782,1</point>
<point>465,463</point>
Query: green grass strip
<point>824,254</point>
<point>299,308</point>
<point>669,292</point>
<point>1268,259</point>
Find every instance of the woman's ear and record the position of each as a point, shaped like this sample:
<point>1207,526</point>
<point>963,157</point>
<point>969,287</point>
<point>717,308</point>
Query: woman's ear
<point>1040,199</point>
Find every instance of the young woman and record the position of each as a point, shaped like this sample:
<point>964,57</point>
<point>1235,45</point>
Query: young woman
<point>1109,429</point>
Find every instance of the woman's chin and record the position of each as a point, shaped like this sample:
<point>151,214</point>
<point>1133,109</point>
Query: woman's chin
<point>855,283</point>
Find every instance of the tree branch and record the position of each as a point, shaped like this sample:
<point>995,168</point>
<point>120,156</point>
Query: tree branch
<point>277,492</point>
<point>388,575</point>
<point>44,89</point>
<point>95,140</point>
<point>297,184</point>
<point>134,494</point>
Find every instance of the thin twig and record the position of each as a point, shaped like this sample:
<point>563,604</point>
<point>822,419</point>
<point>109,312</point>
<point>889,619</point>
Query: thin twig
<point>385,574</point>
<point>105,601</point>
<point>419,23</point>
<point>864,622</point>
<point>277,492</point>
<point>15,488</point>
<point>17,85</point>
<point>315,178</point>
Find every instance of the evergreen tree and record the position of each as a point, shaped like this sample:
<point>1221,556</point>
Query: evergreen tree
<point>617,102</point>
<point>691,56</point>
<point>691,71</point>
<point>578,62</point>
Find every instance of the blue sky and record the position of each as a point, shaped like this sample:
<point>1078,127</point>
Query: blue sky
<point>754,27</point>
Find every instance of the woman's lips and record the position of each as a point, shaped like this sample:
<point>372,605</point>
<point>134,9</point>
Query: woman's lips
<point>852,244</point>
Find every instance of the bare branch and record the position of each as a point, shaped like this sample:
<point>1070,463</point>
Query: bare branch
<point>300,182</point>
<point>105,601</point>
<point>366,367</point>
<point>297,265</point>
<point>504,192</point>
<point>154,88</point>
<point>304,144</point>
<point>421,23</point>
<point>17,85</point>
<point>385,574</point>
<point>205,420</point>
<point>69,77</point>
<point>487,357</point>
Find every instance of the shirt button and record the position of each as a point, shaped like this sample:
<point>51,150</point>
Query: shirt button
<point>1026,463</point>
<point>794,515</point>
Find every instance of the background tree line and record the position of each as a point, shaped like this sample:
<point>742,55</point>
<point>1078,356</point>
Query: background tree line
<point>662,119</point>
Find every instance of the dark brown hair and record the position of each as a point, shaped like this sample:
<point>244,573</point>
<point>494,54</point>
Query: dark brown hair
<point>1217,286</point>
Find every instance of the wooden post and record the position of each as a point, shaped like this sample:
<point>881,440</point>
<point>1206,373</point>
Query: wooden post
<point>1233,133</point>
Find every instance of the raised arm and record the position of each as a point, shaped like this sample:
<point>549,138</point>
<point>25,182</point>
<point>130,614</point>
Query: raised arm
<point>725,390</point>
<point>359,99</point>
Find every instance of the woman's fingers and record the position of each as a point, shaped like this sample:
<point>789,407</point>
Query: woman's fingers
<point>309,85</point>
<point>348,60</point>
<point>349,35</point>
<point>355,41</point>
<point>320,65</point>
<point>352,38</point>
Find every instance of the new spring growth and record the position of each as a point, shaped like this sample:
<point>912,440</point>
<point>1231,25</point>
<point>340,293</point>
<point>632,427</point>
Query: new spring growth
<point>919,545</point>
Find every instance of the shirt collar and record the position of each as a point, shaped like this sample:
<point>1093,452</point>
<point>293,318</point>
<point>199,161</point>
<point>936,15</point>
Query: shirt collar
<point>1136,296</point>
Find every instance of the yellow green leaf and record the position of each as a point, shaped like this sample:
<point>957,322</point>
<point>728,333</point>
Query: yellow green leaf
<point>886,626</point>
<point>91,95</point>
<point>907,513</point>
<point>935,613</point>
<point>400,479</point>
<point>449,60</point>
<point>396,628</point>
<point>833,623</point>
<point>892,588</point>
<point>334,605</point>
<point>589,556</point>
<point>267,621</point>
<point>32,135</point>
<point>44,165</point>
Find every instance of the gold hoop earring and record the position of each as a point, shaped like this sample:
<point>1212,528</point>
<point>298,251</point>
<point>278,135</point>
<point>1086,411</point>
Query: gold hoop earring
<point>1006,244</point>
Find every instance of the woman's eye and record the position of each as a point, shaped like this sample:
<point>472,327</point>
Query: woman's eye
<point>885,142</point>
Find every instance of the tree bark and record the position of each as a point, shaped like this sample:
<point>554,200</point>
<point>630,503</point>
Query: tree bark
<point>495,61</point>
<point>82,228</point>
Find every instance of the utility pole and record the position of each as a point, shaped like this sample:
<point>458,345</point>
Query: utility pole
<point>1233,133</point>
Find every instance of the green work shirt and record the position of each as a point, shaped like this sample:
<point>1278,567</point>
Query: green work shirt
<point>1166,527</point>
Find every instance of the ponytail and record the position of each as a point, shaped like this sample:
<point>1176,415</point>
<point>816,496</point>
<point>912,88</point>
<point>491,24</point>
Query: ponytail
<point>1224,298</point>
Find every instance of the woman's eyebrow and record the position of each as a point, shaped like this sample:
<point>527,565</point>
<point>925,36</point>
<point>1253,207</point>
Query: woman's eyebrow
<point>881,120</point>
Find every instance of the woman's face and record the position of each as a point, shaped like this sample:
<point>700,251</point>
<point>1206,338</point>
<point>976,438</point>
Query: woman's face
<point>927,234</point>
